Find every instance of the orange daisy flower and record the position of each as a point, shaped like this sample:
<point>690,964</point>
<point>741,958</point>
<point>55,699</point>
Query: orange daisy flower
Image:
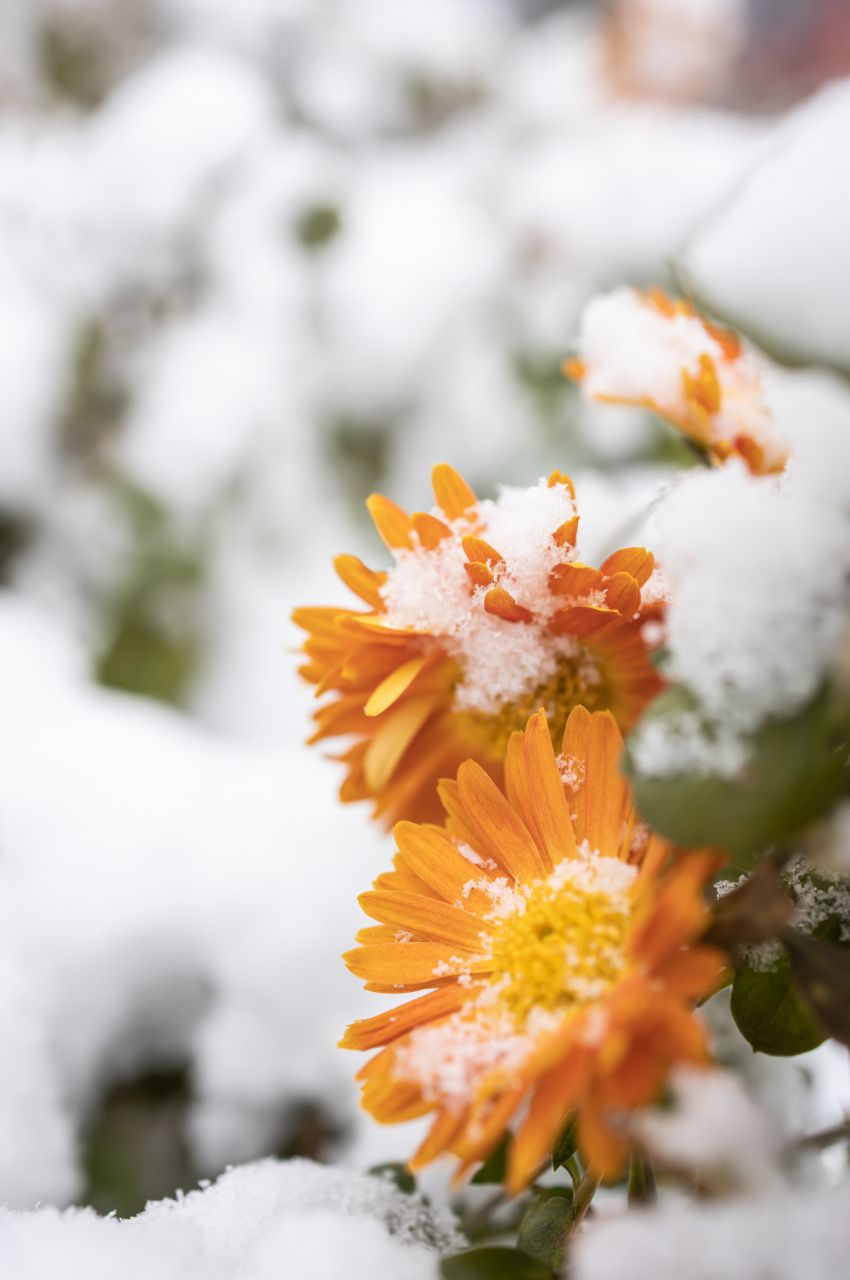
<point>658,352</point>
<point>559,934</point>
<point>486,616</point>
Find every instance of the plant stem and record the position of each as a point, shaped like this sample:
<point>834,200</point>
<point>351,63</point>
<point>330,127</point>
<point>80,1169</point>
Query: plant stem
<point>826,1137</point>
<point>641,1179</point>
<point>585,1192</point>
<point>477,1218</point>
<point>573,1170</point>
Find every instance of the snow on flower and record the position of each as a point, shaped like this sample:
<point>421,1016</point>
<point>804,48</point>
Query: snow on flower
<point>486,616</point>
<point>652,350</point>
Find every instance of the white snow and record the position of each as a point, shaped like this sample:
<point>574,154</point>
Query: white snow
<point>429,590</point>
<point>784,1236</point>
<point>758,606</point>
<point>714,1131</point>
<point>262,1220</point>
<point>178,897</point>
<point>775,256</point>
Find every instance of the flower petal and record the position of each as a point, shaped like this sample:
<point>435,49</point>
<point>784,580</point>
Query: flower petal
<point>393,738</point>
<point>556,1093</point>
<point>431,531</point>
<point>436,861</point>
<point>453,494</point>
<point>575,580</point>
<point>369,1033</point>
<point>397,964</point>
<point>502,603</point>
<point>390,520</point>
<point>391,689</point>
<point>634,560</point>
<point>607,796</point>
<point>365,583</point>
<point>551,810</point>
<point>444,1129</point>
<point>429,916</point>
<point>502,829</point>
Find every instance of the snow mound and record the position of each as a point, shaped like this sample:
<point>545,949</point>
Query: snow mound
<point>784,1237</point>
<point>776,259</point>
<point>260,1221</point>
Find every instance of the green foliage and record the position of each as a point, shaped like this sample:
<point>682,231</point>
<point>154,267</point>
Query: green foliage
<point>642,1188</point>
<point>494,1167</point>
<point>546,1223</point>
<point>72,63</point>
<point>397,1173</point>
<point>796,768</point>
<point>154,647</point>
<point>144,660</point>
<point>823,971</point>
<point>770,1012</point>
<point>317,225</point>
<point>97,398</point>
<point>358,451</point>
<point>16,533</point>
<point>134,1146</point>
<point>566,1143</point>
<point>790,1007</point>
<point>494,1262</point>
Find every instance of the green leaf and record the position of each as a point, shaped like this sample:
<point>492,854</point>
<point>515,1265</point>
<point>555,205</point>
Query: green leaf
<point>566,1143</point>
<point>796,768</point>
<point>823,972</point>
<point>494,1167</point>
<point>397,1173</point>
<point>770,1012</point>
<point>546,1223</point>
<point>494,1262</point>
<point>642,1188</point>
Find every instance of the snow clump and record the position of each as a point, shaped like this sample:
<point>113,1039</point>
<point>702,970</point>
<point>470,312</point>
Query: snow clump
<point>257,1222</point>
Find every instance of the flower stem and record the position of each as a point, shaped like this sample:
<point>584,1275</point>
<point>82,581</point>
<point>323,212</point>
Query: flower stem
<point>585,1192</point>
<point>641,1179</point>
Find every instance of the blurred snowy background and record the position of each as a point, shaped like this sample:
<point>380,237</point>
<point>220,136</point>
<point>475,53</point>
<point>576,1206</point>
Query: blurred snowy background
<point>257,259</point>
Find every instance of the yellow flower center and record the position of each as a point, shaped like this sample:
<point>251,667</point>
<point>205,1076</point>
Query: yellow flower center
<point>578,681</point>
<point>565,946</point>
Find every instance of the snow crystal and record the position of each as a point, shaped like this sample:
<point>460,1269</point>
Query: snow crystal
<point>263,1220</point>
<point>520,524</point>
<point>487,864</point>
<point>818,895</point>
<point>430,591</point>
<point>590,873</point>
<point>449,1059</point>
<point>506,899</point>
<point>572,770</point>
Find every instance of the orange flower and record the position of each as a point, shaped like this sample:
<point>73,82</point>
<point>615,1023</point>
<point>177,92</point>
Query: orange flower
<point>486,616</point>
<point>651,350</point>
<point>559,935</point>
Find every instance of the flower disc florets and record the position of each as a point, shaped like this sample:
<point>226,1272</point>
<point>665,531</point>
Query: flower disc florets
<point>560,939</point>
<point>564,944</point>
